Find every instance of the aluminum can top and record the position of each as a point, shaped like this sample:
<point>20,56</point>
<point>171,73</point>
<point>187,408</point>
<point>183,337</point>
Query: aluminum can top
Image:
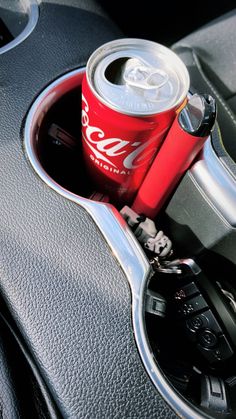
<point>137,77</point>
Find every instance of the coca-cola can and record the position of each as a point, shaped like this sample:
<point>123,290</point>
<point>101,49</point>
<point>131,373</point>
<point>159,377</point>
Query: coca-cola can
<point>130,95</point>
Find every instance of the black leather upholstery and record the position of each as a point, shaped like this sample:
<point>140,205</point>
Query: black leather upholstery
<point>63,286</point>
<point>9,403</point>
<point>210,54</point>
<point>22,395</point>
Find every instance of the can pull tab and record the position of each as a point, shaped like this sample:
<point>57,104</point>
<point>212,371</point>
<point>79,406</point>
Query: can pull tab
<point>148,78</point>
<point>139,75</point>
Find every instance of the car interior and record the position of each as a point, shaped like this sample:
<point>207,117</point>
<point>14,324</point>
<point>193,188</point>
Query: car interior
<point>96,320</point>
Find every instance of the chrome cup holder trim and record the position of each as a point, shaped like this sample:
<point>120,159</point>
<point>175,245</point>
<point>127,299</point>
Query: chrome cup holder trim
<point>119,237</point>
<point>32,8</point>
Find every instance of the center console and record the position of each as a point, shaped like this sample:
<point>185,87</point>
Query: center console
<point>184,323</point>
<point>102,332</point>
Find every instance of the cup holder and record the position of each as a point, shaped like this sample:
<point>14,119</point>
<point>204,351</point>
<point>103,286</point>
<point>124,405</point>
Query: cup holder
<point>58,142</point>
<point>55,141</point>
<point>52,145</point>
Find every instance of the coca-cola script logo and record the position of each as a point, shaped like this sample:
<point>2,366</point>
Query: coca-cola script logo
<point>105,149</point>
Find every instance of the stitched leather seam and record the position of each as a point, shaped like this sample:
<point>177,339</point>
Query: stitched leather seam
<point>216,93</point>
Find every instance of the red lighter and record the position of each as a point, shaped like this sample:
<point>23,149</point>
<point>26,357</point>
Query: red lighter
<point>185,139</point>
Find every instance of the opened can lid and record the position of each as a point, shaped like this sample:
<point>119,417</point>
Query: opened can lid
<point>137,77</point>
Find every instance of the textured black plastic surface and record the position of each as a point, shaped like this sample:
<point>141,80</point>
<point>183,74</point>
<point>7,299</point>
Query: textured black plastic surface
<point>64,288</point>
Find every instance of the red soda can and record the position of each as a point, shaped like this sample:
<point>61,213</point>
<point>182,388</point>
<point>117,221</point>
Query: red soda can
<point>130,94</point>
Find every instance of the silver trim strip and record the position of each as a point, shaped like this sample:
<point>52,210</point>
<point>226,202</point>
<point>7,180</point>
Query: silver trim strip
<point>119,237</point>
<point>33,15</point>
<point>216,182</point>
